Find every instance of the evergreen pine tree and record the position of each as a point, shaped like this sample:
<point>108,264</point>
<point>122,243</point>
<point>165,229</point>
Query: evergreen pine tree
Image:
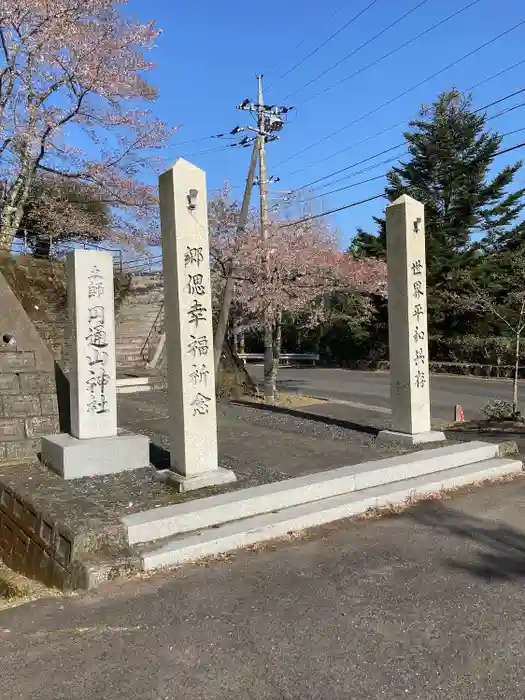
<point>451,152</point>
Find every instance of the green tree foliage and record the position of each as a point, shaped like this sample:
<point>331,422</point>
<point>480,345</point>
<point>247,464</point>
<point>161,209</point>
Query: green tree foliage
<point>467,206</point>
<point>368,245</point>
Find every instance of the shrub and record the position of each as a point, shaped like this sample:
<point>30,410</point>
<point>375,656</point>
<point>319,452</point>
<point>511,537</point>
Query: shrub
<point>499,410</point>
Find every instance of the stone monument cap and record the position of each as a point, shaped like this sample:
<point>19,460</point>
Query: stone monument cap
<point>405,199</point>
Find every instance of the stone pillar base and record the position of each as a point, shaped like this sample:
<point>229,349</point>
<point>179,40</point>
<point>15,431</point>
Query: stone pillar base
<point>215,477</point>
<point>74,459</point>
<point>391,437</point>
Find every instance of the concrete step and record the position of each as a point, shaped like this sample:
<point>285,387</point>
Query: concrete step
<point>153,297</point>
<point>133,338</point>
<point>139,313</point>
<point>130,364</point>
<point>124,348</point>
<point>132,326</point>
<point>138,318</point>
<point>134,385</point>
<point>248,531</point>
<point>144,315</point>
<point>130,342</point>
<point>130,359</point>
<point>164,522</point>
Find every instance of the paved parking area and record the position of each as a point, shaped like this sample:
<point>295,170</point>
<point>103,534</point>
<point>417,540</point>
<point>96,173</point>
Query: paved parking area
<point>371,389</point>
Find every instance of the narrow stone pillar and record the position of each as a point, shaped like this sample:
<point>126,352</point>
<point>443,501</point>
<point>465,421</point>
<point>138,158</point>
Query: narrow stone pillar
<point>407,325</point>
<point>189,333</point>
<point>93,447</point>
<point>93,376</point>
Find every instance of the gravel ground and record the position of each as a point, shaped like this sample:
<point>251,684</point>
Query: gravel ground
<point>253,438</point>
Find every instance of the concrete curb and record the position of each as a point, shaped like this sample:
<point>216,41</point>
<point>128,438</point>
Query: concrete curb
<point>245,532</point>
<point>160,523</point>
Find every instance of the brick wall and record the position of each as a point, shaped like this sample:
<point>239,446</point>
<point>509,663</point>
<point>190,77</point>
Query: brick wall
<point>28,404</point>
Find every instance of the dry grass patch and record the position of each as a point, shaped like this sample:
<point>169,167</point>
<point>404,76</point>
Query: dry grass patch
<point>285,400</point>
<point>16,589</point>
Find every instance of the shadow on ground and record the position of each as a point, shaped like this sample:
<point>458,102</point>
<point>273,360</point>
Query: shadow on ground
<point>502,557</point>
<point>159,456</point>
<point>310,415</point>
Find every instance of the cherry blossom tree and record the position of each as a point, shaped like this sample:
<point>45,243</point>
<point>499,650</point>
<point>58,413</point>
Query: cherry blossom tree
<point>60,210</point>
<point>293,271</point>
<point>73,104</point>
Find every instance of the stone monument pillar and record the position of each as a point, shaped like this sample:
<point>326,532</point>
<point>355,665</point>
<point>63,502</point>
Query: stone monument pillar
<point>93,447</point>
<point>189,332</point>
<point>93,389</point>
<point>407,325</point>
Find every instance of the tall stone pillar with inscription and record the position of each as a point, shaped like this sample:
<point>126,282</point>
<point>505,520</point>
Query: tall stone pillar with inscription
<point>93,447</point>
<point>407,325</point>
<point>189,333</point>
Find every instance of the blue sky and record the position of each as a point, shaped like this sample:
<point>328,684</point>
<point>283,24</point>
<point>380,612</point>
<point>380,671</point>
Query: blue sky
<point>210,52</point>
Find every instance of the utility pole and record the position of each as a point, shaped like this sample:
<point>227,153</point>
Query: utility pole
<point>263,204</point>
<point>227,297</point>
<point>269,120</point>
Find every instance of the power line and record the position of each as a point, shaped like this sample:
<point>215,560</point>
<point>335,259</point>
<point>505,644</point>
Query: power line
<point>514,131</point>
<point>506,111</point>
<point>202,138</point>
<point>346,187</point>
<point>332,211</point>
<point>347,148</point>
<point>324,43</point>
<point>229,135</point>
<point>405,92</point>
<point>501,99</point>
<point>365,170</point>
<point>378,177</point>
<point>400,145</point>
<point>349,167</point>
<point>496,75</point>
<point>512,148</point>
<point>392,52</point>
<point>377,196</point>
<point>401,123</point>
<point>362,46</point>
<point>304,39</point>
<point>210,150</point>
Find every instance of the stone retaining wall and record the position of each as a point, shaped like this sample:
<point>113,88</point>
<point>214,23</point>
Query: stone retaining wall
<point>35,545</point>
<point>28,404</point>
<point>28,394</point>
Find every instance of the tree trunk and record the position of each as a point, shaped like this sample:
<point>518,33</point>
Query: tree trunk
<point>222,323</point>
<point>7,230</point>
<point>13,207</point>
<point>516,377</point>
<point>269,382</point>
<point>229,288</point>
<point>42,247</point>
<point>277,346</point>
<point>235,338</point>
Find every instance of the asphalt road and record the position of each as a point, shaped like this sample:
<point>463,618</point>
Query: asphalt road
<point>428,606</point>
<point>371,389</point>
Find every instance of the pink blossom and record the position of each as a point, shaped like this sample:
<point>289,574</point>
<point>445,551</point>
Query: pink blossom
<point>70,69</point>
